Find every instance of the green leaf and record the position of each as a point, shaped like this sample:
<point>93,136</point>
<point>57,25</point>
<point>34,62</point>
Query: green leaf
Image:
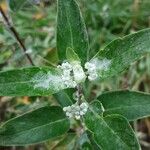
<point>65,142</point>
<point>71,31</point>
<point>119,54</point>
<point>32,81</point>
<point>84,143</point>
<point>97,107</point>
<point>111,132</point>
<point>63,99</point>
<point>132,105</point>
<point>95,146</point>
<point>71,55</point>
<point>68,142</point>
<point>51,57</point>
<point>34,127</point>
<point>16,4</point>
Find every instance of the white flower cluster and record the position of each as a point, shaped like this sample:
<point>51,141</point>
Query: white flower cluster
<point>72,73</point>
<point>66,76</point>
<point>75,110</point>
<point>91,71</point>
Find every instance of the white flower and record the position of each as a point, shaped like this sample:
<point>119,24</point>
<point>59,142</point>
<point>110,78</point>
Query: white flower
<point>68,114</point>
<point>82,113</point>
<point>65,109</point>
<point>67,73</point>
<point>66,66</point>
<point>83,106</point>
<point>77,113</point>
<point>77,108</point>
<point>77,117</point>
<point>90,66</point>
<point>92,76</point>
<point>74,84</point>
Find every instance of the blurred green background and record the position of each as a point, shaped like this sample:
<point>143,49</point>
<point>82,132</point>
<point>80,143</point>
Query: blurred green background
<point>105,20</point>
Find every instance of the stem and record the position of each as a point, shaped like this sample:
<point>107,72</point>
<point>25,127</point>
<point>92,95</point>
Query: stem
<point>16,35</point>
<point>135,13</point>
<point>80,93</point>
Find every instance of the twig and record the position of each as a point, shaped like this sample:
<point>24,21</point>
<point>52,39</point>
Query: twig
<point>16,35</point>
<point>135,13</point>
<point>79,91</point>
<point>145,144</point>
<point>147,122</point>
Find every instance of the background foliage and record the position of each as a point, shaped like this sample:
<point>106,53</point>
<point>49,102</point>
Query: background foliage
<point>105,21</point>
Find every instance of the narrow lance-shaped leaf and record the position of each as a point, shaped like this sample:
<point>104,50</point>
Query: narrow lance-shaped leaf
<point>63,98</point>
<point>95,146</point>
<point>111,132</point>
<point>34,127</point>
<point>32,81</point>
<point>132,105</point>
<point>119,54</point>
<point>84,143</point>
<point>66,141</point>
<point>71,31</point>
<point>97,107</point>
<point>71,55</point>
